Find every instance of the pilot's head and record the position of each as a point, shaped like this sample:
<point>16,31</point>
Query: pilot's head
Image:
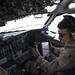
<point>66,28</point>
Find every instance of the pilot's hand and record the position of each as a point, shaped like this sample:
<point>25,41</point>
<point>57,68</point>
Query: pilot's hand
<point>35,52</point>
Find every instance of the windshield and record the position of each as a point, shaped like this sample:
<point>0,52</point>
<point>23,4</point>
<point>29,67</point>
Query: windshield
<point>53,30</point>
<point>35,22</point>
<point>27,23</point>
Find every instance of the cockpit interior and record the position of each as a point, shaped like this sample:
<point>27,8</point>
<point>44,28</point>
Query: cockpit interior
<point>15,46</point>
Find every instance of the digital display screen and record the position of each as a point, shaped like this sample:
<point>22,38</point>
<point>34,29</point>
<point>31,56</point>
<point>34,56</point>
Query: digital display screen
<point>45,48</point>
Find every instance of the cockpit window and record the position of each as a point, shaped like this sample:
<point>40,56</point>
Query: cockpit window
<point>33,22</point>
<point>53,30</point>
<point>27,23</point>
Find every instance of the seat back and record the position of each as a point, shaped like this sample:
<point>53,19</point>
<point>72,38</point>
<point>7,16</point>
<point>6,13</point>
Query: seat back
<point>70,72</point>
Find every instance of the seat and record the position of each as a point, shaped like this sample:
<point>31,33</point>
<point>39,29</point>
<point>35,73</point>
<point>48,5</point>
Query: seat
<point>70,71</point>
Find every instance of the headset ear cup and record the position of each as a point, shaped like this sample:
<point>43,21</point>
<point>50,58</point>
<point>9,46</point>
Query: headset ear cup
<point>73,35</point>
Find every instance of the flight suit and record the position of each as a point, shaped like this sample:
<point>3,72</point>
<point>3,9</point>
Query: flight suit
<point>60,64</point>
<point>2,71</point>
<point>64,60</point>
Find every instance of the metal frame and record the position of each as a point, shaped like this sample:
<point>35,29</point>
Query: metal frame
<point>62,8</point>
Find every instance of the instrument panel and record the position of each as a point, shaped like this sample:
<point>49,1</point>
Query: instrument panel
<point>14,50</point>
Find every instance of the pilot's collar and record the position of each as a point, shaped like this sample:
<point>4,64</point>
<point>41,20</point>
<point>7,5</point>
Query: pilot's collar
<point>69,45</point>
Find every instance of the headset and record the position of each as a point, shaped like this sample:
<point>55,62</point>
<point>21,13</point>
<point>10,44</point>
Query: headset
<point>73,35</point>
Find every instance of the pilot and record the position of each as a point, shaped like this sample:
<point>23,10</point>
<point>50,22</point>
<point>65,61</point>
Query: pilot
<point>65,58</point>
